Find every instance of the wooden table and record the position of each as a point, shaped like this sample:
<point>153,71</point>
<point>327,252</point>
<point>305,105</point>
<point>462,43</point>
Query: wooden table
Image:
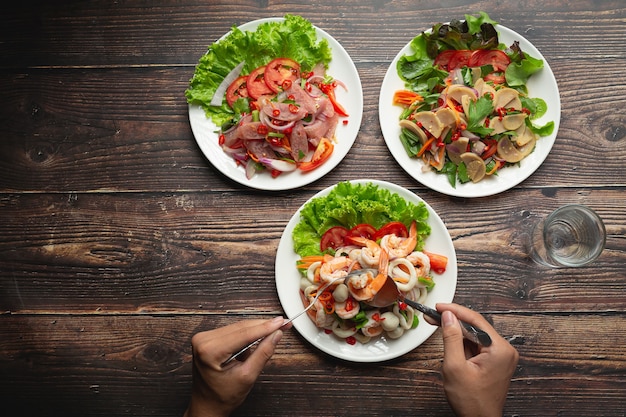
<point>119,240</point>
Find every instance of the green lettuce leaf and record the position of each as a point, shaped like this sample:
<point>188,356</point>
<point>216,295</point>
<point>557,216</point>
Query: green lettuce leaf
<point>517,73</point>
<point>294,38</point>
<point>350,204</point>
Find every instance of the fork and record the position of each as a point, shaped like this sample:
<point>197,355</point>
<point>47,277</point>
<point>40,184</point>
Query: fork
<point>320,290</point>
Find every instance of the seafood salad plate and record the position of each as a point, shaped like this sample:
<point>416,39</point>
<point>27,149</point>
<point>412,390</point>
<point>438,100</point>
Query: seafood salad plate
<point>347,92</point>
<point>382,346</point>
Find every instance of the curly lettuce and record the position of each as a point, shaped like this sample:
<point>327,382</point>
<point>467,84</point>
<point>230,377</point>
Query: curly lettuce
<point>349,204</point>
<point>294,37</point>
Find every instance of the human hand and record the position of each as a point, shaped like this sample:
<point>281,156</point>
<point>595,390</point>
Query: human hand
<point>217,390</point>
<point>476,378</point>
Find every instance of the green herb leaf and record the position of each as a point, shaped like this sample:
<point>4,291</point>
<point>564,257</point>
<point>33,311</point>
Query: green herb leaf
<point>477,112</point>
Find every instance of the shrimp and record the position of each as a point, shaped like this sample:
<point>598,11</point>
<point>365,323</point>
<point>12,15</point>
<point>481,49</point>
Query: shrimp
<point>335,268</point>
<point>421,262</point>
<point>317,314</point>
<point>364,287</point>
<point>400,247</point>
<point>370,254</point>
<point>347,309</point>
<point>373,326</point>
<point>321,318</point>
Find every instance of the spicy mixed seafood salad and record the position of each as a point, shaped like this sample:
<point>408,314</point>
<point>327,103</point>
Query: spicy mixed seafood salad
<point>343,307</point>
<point>467,112</point>
<point>355,237</point>
<point>270,95</point>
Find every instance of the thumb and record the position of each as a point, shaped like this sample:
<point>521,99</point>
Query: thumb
<point>453,350</point>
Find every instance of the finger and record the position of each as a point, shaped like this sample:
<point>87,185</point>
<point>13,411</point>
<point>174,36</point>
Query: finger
<point>257,360</point>
<point>468,315</point>
<point>218,345</point>
<point>252,331</point>
<point>453,347</point>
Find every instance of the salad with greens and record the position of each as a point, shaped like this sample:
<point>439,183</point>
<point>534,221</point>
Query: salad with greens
<point>268,92</point>
<point>352,242</point>
<point>352,206</point>
<point>466,108</point>
<point>293,38</point>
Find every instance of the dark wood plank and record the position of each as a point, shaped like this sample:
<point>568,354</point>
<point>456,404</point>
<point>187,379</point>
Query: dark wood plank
<point>63,133</point>
<point>195,251</point>
<point>128,33</point>
<point>119,240</point>
<point>140,365</point>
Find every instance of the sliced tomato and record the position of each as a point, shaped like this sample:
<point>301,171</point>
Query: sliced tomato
<point>256,83</point>
<point>438,263</point>
<point>443,59</point>
<point>494,57</point>
<point>495,78</point>
<point>333,238</point>
<point>323,151</point>
<point>459,59</point>
<point>280,70</point>
<point>363,230</point>
<point>236,90</point>
<point>395,228</point>
<point>490,149</point>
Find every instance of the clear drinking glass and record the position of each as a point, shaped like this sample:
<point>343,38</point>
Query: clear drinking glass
<point>571,236</point>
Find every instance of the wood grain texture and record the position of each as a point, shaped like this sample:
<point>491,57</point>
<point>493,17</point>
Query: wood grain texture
<point>140,364</point>
<point>119,240</point>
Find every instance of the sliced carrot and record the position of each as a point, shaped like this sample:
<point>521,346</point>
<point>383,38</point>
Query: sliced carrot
<point>406,97</point>
<point>426,146</point>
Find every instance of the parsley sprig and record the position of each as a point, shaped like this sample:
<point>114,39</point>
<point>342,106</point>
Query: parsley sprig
<point>477,112</point>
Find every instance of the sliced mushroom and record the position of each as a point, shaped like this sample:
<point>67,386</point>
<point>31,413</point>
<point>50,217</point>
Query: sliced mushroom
<point>523,135</point>
<point>458,91</point>
<point>408,124</point>
<point>513,121</point>
<point>508,151</point>
<point>476,167</point>
<point>430,122</point>
<point>483,88</point>
<point>456,149</point>
<point>465,103</point>
<point>497,126</point>
<point>528,147</point>
<point>506,97</point>
<point>447,116</point>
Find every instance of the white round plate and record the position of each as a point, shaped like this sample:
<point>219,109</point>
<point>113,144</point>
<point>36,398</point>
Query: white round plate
<point>542,84</point>
<point>341,68</point>
<point>378,349</point>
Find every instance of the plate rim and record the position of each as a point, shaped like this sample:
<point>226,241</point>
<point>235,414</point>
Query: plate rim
<point>203,128</point>
<point>379,349</point>
<point>495,185</point>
